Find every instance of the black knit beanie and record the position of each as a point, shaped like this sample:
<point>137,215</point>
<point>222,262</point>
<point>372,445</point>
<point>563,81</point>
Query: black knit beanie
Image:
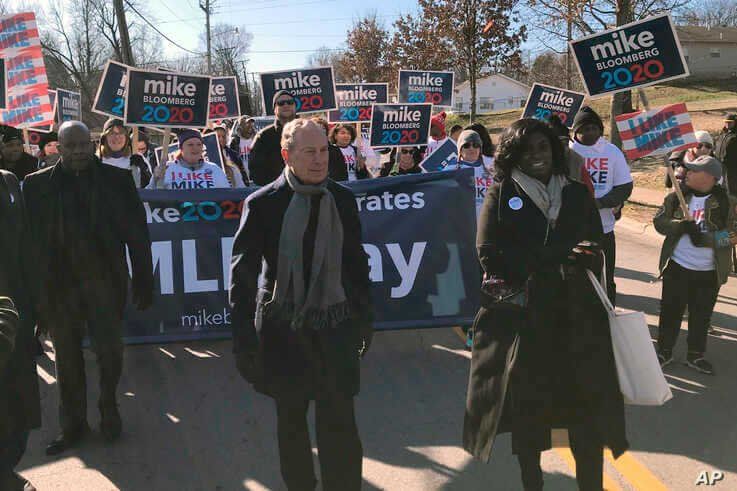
<point>585,116</point>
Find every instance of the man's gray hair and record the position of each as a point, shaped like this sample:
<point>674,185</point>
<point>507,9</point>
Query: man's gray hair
<point>289,133</point>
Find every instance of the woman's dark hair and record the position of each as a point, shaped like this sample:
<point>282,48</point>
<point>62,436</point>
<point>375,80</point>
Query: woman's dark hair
<point>514,142</point>
<point>454,128</point>
<point>487,147</point>
<point>340,126</point>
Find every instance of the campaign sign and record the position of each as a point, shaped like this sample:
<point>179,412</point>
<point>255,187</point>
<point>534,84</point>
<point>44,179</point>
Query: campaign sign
<point>656,132</point>
<point>417,86</point>
<point>224,100</point>
<point>635,55</point>
<point>418,232</point>
<point>69,105</point>
<point>446,155</point>
<point>400,125</point>
<point>47,128</point>
<point>169,99</point>
<point>3,85</point>
<point>110,98</point>
<point>261,122</point>
<point>355,101</point>
<point>27,85</point>
<point>545,101</point>
<point>313,88</point>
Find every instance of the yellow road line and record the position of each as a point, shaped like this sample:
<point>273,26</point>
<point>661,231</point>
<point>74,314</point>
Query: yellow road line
<point>560,444</point>
<point>635,473</point>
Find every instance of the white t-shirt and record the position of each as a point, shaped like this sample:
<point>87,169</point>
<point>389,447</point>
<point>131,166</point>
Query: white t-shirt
<point>483,177</point>
<point>685,253</point>
<point>349,155</point>
<point>245,150</point>
<point>204,176</point>
<point>608,168</point>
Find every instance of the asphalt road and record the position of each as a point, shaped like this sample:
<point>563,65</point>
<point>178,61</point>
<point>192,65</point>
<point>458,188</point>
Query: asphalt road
<point>192,424</point>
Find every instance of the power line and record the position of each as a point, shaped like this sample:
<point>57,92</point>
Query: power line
<point>300,21</point>
<point>176,16</point>
<point>157,30</point>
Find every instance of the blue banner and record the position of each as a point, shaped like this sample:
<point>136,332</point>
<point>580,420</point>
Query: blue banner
<point>418,232</point>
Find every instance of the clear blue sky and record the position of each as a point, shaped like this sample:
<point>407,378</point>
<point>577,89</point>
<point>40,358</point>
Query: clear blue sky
<point>283,30</point>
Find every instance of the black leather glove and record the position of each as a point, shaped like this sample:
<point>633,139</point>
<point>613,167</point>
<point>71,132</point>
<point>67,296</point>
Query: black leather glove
<point>587,255</point>
<point>692,229</point>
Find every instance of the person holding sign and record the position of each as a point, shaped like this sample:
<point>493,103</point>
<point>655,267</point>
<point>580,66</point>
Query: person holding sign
<point>241,140</point>
<point>189,170</point>
<point>677,160</point>
<point>610,176</point>
<point>470,156</point>
<point>542,354</point>
<point>116,149</point>
<point>726,151</point>
<point>348,165</point>
<point>84,216</point>
<point>265,161</point>
<point>232,162</point>
<point>695,260</point>
<point>49,154</point>
<point>12,156</point>
<point>300,271</point>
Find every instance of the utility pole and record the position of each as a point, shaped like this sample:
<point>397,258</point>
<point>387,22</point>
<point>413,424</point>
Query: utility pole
<point>126,51</point>
<point>206,7</point>
<point>569,38</point>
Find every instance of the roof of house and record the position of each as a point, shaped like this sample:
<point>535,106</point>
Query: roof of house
<point>697,34</point>
<point>462,85</point>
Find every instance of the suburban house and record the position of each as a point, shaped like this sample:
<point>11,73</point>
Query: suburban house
<point>493,93</point>
<point>709,52</point>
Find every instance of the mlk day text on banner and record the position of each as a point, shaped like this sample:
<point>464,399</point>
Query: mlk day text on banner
<point>418,233</point>
<point>168,99</point>
<point>545,101</point>
<point>399,125</point>
<point>355,101</point>
<point>27,85</point>
<point>313,89</point>
<point>635,55</point>
<point>656,132</point>
<point>110,97</point>
<point>422,86</point>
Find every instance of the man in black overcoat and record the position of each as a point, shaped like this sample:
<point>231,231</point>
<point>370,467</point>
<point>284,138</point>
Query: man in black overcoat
<point>83,215</point>
<point>20,404</point>
<point>298,334</point>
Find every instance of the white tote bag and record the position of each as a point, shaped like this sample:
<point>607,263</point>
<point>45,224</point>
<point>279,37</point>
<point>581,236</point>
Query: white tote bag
<point>641,379</point>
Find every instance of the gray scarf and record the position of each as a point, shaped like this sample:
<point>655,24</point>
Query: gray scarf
<point>547,198</point>
<point>323,303</point>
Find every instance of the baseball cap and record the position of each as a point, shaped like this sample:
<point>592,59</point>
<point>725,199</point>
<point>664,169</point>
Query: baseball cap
<point>708,164</point>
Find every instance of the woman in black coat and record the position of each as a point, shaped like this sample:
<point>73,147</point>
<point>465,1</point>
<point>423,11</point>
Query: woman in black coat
<point>346,163</point>
<point>548,364</point>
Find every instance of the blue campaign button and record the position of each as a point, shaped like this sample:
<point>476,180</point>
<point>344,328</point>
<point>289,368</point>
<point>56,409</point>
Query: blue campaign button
<point>515,203</point>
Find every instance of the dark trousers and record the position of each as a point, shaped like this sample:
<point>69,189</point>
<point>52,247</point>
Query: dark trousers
<point>107,344</point>
<point>338,444</point>
<point>609,247</point>
<point>589,455</point>
<point>12,448</point>
<point>684,287</point>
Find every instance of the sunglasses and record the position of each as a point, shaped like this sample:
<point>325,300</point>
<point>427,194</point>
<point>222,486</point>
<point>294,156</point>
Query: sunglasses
<point>285,102</point>
<point>704,145</point>
<point>471,145</point>
<point>406,151</point>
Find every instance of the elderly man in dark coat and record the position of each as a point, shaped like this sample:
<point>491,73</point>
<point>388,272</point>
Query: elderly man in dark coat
<point>83,214</point>
<point>20,405</point>
<point>298,335</point>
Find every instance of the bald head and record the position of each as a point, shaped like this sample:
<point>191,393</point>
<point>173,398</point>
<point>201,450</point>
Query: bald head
<point>305,149</point>
<point>75,145</point>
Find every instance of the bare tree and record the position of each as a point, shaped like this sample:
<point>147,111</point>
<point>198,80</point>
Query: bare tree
<point>334,57</point>
<point>708,13</point>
